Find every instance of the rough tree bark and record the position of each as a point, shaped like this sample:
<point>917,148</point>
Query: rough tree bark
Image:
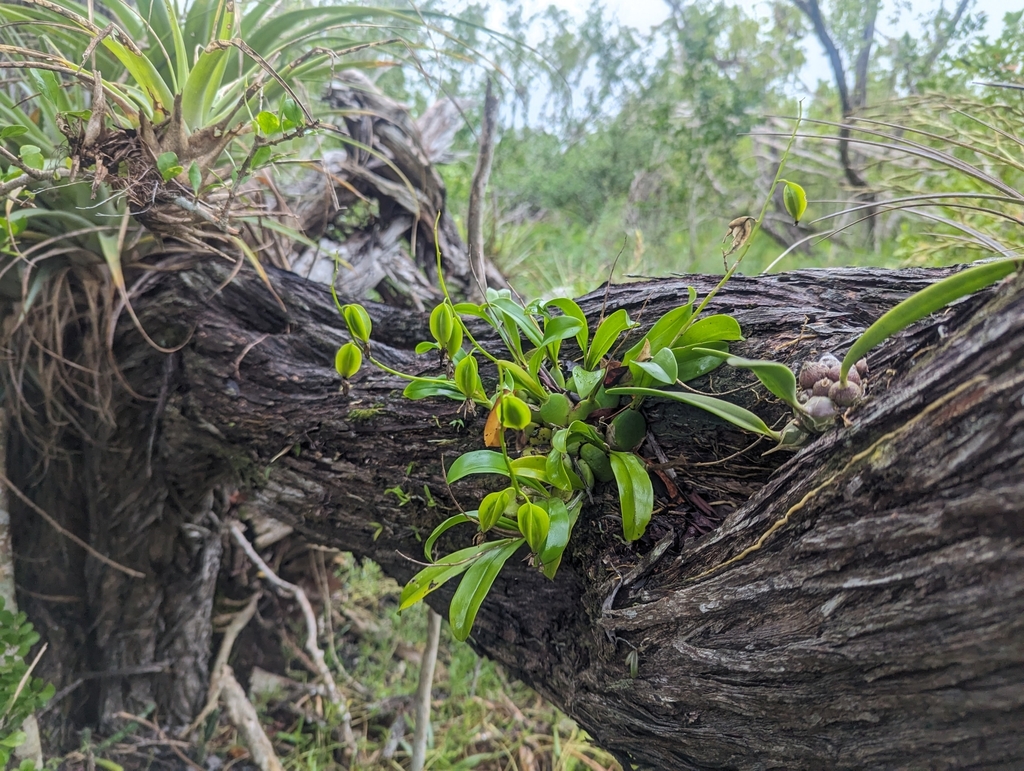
<point>879,626</point>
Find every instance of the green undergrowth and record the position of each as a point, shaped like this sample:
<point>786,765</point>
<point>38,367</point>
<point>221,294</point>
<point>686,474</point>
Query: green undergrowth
<point>480,719</point>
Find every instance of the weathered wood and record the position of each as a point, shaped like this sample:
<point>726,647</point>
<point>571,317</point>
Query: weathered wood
<point>878,627</point>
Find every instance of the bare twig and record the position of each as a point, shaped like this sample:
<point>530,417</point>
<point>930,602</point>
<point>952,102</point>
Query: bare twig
<point>315,653</point>
<point>476,192</point>
<point>166,741</point>
<point>242,715</point>
<point>238,623</point>
<point>423,691</point>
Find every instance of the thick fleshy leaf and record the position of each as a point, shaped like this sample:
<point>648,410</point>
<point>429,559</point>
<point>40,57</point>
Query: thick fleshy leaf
<point>531,467</point>
<point>424,389</point>
<point>605,337</point>
<point>776,377</point>
<point>708,329</point>
<point>522,320</point>
<point>636,493</point>
<point>477,462</point>
<point>738,416</point>
<point>662,368</point>
<point>665,330</point>
<point>572,310</point>
<point>434,576</point>
<point>691,365</point>
<point>560,328</point>
<point>927,301</point>
<point>586,381</point>
<point>524,380</point>
<point>559,472</point>
<point>448,524</point>
<point>476,584</point>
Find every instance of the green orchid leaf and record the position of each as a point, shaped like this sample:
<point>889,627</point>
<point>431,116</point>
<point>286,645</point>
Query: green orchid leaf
<point>605,337</point>
<point>425,389</point>
<point>524,380</point>
<point>560,328</point>
<point>691,365</point>
<point>478,462</point>
<point>738,416</point>
<point>586,381</point>
<point>636,493</point>
<point>516,313</point>
<point>665,330</point>
<point>476,584</point>
<point>708,329</point>
<point>662,368</point>
<point>448,524</point>
<point>924,303</point>
<point>572,310</point>
<point>776,377</point>
<point>559,472</point>
<point>531,467</point>
<point>435,576</point>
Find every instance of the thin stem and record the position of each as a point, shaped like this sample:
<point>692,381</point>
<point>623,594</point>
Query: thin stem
<point>757,225</point>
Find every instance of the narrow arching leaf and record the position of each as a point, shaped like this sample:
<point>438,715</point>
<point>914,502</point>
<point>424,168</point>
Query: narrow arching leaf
<point>424,389</point>
<point>665,330</point>
<point>517,314</point>
<point>571,309</point>
<point>733,413</point>
<point>448,524</point>
<point>636,494</point>
<point>560,328</point>
<point>524,379</point>
<point>691,365</point>
<point>476,584</point>
<point>776,377</point>
<point>478,462</point>
<point>434,576</point>
<point>605,337</point>
<point>927,301</point>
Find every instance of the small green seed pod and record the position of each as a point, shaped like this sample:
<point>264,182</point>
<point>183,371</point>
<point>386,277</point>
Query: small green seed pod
<point>533,524</point>
<point>467,377</point>
<point>493,506</point>
<point>358,322</point>
<point>348,360</point>
<point>442,322</point>
<point>513,412</point>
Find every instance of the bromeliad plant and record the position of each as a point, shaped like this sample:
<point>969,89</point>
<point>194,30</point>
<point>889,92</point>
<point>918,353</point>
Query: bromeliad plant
<point>173,114</point>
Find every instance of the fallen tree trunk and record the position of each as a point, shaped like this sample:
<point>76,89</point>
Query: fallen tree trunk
<point>878,626</point>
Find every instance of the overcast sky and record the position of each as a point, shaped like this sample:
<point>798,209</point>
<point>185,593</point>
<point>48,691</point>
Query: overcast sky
<point>643,14</point>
